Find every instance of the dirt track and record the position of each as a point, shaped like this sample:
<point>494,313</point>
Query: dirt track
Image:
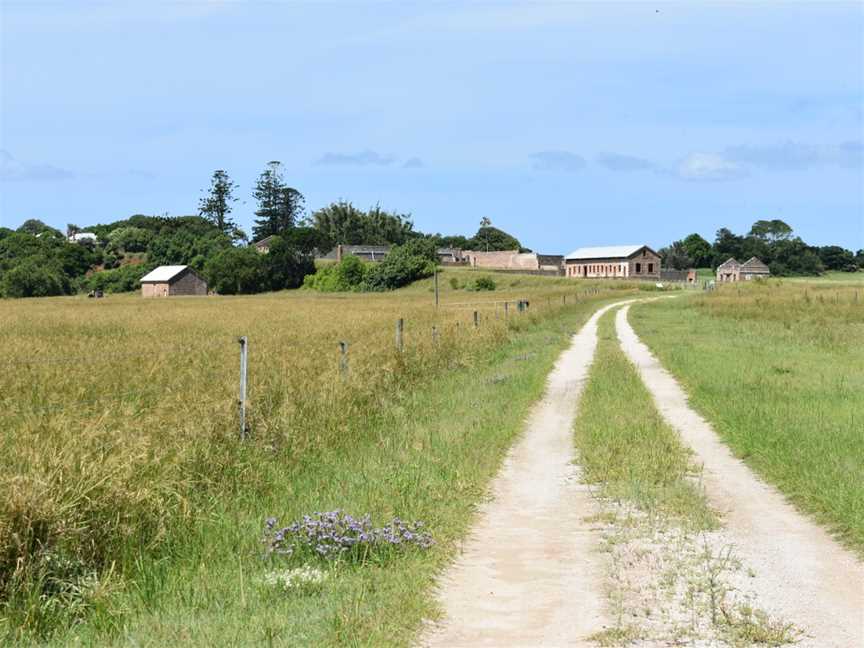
<point>802,574</point>
<point>530,573</point>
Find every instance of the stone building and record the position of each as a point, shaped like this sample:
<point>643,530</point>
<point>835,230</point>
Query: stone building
<point>731,270</point>
<point>172,281</point>
<point>514,260</point>
<point>613,262</point>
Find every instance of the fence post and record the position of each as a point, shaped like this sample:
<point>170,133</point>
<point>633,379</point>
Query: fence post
<point>436,286</point>
<point>564,299</point>
<point>400,325</point>
<point>506,309</point>
<point>476,319</point>
<point>343,359</point>
<point>435,335</point>
<point>244,363</point>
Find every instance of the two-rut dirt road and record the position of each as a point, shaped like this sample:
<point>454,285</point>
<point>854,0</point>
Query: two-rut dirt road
<point>531,573</point>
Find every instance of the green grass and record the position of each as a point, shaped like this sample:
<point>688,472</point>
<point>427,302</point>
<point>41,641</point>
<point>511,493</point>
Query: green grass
<point>625,446</point>
<point>776,367</point>
<point>421,444</point>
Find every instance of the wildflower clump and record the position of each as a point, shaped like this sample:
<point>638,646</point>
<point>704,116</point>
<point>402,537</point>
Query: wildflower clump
<point>335,535</point>
<point>299,579</point>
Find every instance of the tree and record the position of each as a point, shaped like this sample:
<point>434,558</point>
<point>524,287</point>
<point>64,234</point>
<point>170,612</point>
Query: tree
<point>770,231</point>
<point>675,256</point>
<point>235,271</point>
<point>34,226</point>
<point>492,238</point>
<point>342,223</point>
<point>129,239</point>
<point>285,266</point>
<point>279,207</point>
<point>726,245</point>
<point>33,278</point>
<point>698,249</point>
<point>403,265</point>
<point>215,206</point>
<point>834,257</point>
<point>485,225</point>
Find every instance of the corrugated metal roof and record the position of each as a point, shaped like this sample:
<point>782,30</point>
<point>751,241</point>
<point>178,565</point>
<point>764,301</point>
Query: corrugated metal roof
<point>608,252</point>
<point>163,273</point>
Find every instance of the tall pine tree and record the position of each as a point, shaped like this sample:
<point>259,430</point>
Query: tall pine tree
<point>215,205</point>
<point>279,206</point>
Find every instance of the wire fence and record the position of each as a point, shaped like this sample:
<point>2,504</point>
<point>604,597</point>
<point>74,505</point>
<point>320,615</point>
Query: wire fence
<point>482,311</point>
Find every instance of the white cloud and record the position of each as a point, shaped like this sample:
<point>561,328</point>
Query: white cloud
<point>363,158</point>
<point>557,161</point>
<point>12,170</point>
<point>795,155</point>
<point>709,167</point>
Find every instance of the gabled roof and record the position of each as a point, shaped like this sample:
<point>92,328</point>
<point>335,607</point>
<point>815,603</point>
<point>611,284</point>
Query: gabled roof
<point>608,252</point>
<point>163,273</point>
<point>263,242</point>
<point>755,262</point>
<point>729,261</point>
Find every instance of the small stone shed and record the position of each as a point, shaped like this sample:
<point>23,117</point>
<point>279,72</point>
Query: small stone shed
<point>732,270</point>
<point>172,281</point>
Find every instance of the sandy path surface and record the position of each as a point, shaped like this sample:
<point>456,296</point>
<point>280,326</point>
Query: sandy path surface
<point>530,573</point>
<point>801,573</point>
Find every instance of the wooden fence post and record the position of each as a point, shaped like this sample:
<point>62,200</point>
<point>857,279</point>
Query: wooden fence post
<point>343,359</point>
<point>506,309</point>
<point>476,319</point>
<point>244,363</point>
<point>400,325</point>
<point>435,335</point>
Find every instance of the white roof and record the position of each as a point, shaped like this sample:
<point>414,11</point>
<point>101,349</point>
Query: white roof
<point>84,236</point>
<point>608,252</point>
<point>163,273</point>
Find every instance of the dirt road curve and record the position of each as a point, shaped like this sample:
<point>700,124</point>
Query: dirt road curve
<point>802,574</point>
<point>530,574</point>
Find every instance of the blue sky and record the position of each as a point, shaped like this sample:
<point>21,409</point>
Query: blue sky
<point>567,124</point>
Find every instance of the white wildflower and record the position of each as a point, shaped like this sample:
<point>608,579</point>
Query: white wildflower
<point>295,579</point>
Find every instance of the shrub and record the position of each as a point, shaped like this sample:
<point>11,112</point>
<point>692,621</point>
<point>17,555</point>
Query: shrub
<point>403,265</point>
<point>346,276</point>
<point>33,279</point>
<point>482,283</point>
<point>123,279</point>
<point>235,271</point>
<point>454,283</point>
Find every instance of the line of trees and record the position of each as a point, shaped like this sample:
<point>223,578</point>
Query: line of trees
<point>772,241</point>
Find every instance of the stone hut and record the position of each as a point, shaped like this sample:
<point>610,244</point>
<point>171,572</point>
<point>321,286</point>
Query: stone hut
<point>754,268</point>
<point>613,262</point>
<point>172,281</point>
<point>729,271</point>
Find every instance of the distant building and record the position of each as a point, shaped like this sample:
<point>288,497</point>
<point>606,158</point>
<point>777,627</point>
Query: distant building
<point>263,246</point>
<point>451,256</point>
<point>732,270</point>
<point>172,281</point>
<point>753,268</point>
<point>613,262</point>
<point>515,261</point>
<point>729,271</point>
<point>83,237</point>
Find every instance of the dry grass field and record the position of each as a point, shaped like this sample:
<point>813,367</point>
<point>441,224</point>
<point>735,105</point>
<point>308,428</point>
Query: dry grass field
<point>123,473</point>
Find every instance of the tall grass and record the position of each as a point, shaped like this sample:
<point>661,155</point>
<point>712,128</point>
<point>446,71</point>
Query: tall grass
<point>777,368</point>
<point>125,486</point>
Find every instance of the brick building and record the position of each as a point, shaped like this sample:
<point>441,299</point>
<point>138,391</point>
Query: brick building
<point>613,262</point>
<point>172,281</point>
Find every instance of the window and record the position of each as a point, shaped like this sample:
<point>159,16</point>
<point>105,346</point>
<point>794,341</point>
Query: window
<point>650,267</point>
<point>638,268</point>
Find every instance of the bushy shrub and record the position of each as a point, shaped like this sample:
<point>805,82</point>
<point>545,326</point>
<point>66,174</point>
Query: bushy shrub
<point>123,279</point>
<point>455,283</point>
<point>346,276</point>
<point>482,283</point>
<point>403,265</point>
<point>33,279</point>
<point>235,271</point>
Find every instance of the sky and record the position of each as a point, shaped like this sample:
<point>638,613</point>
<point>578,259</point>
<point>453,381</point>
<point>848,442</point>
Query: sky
<point>567,124</point>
